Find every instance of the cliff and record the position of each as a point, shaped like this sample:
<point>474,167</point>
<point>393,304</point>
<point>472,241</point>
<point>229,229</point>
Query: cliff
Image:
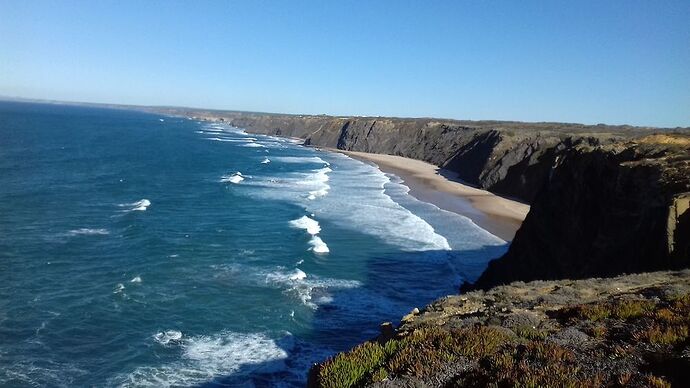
<point>507,158</point>
<point>605,201</point>
<point>605,211</point>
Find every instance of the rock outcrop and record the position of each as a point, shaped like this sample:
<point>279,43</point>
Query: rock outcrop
<point>604,211</point>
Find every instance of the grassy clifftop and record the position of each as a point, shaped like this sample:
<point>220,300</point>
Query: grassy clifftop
<point>627,331</point>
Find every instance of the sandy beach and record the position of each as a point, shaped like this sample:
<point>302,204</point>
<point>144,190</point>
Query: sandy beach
<point>427,182</point>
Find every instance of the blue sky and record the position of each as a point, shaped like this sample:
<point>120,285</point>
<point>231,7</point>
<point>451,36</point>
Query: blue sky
<point>577,61</point>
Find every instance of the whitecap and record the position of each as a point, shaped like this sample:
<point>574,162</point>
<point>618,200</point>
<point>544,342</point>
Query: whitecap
<point>87,231</point>
<point>136,279</point>
<point>311,226</point>
<point>318,193</point>
<point>319,178</point>
<point>298,275</point>
<point>318,246</point>
<point>140,205</point>
<point>294,282</point>
<point>301,159</point>
<point>255,145</point>
<point>218,139</point>
<point>166,337</point>
<point>205,357</point>
<point>304,286</point>
<point>119,288</point>
<point>266,161</point>
<point>234,178</point>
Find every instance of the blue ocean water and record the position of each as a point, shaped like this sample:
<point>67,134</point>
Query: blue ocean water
<point>145,250</point>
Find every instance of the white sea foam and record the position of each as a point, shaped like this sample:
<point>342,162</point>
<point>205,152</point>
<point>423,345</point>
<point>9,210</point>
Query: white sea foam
<point>231,139</point>
<point>294,282</point>
<point>136,279</point>
<point>311,226</point>
<point>320,177</point>
<point>301,159</point>
<point>219,139</point>
<point>234,178</point>
<point>298,275</point>
<point>87,231</point>
<point>304,286</point>
<point>119,288</point>
<point>167,337</point>
<point>317,193</point>
<point>360,202</point>
<point>140,205</point>
<point>204,358</point>
<point>266,161</point>
<point>299,185</point>
<point>255,145</point>
<point>318,246</point>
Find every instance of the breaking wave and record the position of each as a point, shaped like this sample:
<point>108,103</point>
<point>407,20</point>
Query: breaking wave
<point>88,232</point>
<point>139,206</point>
<point>234,178</point>
<point>205,358</point>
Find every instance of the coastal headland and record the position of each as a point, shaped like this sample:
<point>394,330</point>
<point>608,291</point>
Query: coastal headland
<point>600,201</point>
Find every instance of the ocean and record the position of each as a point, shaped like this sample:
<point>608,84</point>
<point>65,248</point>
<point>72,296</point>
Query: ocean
<point>145,250</point>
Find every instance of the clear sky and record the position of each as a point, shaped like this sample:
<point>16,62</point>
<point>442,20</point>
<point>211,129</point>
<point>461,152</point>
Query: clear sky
<point>614,62</point>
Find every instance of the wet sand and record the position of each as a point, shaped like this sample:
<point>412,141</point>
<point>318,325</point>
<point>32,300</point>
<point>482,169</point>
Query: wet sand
<point>498,215</point>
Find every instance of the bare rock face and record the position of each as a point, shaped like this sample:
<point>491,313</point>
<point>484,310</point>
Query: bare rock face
<point>605,211</point>
<point>507,158</point>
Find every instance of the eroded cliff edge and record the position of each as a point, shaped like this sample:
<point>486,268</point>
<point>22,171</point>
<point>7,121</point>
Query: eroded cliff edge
<point>507,158</point>
<point>510,159</point>
<point>606,200</point>
<point>605,211</point>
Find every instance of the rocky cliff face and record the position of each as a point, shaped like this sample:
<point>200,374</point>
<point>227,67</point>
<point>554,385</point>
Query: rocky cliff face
<point>603,211</point>
<point>604,201</point>
<point>508,158</point>
<point>602,204</point>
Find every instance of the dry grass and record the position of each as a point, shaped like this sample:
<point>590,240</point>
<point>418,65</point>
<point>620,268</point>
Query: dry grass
<point>495,356</point>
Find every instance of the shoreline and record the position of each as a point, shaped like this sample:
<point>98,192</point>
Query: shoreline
<point>429,183</point>
<point>499,216</point>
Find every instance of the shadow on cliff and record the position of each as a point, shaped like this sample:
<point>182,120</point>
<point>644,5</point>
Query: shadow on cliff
<point>394,284</point>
